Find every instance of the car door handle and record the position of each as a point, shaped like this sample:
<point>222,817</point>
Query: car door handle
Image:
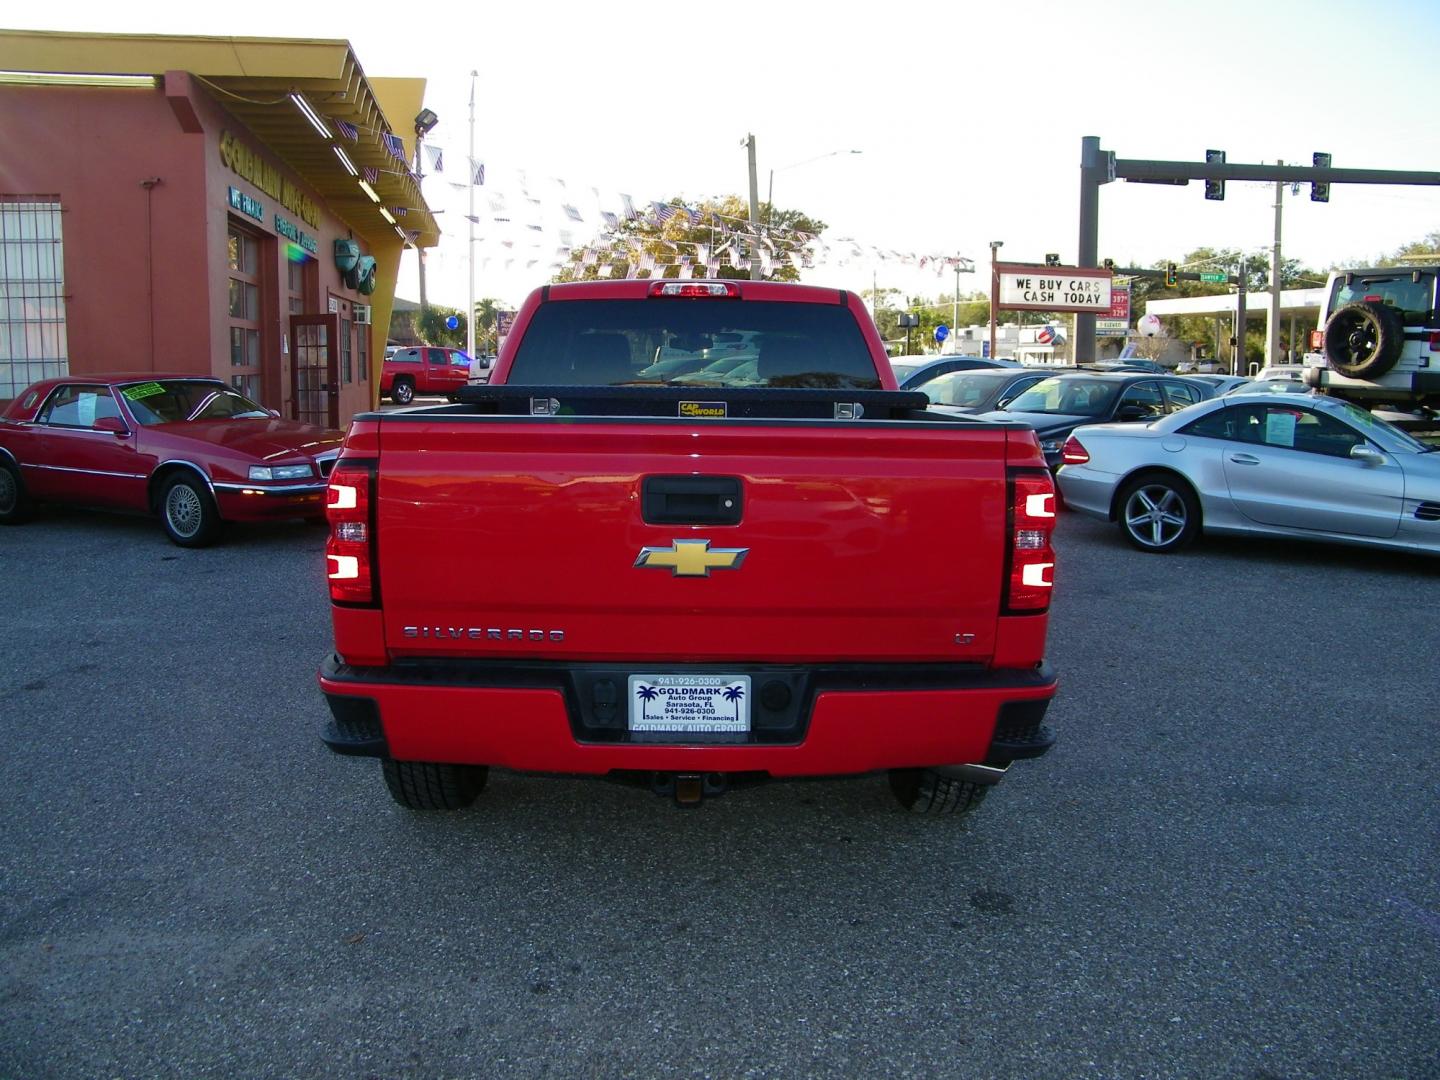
<point>1245,459</point>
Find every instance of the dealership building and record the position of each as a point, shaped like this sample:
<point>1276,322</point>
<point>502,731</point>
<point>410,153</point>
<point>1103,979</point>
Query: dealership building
<point>229,207</point>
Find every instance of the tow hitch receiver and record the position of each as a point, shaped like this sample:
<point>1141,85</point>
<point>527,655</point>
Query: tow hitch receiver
<point>689,789</point>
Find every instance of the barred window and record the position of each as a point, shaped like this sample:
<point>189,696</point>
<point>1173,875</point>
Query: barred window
<point>33,344</point>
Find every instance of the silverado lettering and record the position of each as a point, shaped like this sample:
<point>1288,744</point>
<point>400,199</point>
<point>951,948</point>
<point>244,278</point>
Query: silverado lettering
<point>888,568</point>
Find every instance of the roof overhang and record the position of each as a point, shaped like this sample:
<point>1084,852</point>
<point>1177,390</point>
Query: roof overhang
<point>1292,302</point>
<point>261,82</point>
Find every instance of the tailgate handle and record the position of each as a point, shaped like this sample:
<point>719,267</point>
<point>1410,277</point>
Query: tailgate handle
<point>691,500</point>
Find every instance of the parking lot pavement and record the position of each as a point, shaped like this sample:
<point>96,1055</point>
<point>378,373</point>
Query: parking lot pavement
<point>1227,867</point>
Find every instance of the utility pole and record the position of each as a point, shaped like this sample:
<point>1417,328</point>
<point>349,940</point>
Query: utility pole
<point>995,246</point>
<point>1240,320</point>
<point>1272,327</point>
<point>955,311</point>
<point>754,207</point>
<point>470,261</point>
<point>420,251</point>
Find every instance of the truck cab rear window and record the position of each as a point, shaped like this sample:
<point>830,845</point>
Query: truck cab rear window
<point>716,343</point>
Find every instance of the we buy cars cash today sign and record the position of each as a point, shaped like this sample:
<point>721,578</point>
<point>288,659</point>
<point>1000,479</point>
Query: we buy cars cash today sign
<point>1052,288</point>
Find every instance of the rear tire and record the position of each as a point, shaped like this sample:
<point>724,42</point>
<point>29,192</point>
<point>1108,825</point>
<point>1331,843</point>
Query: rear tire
<point>15,504</point>
<point>403,392</point>
<point>924,791</point>
<point>187,512</point>
<point>427,785</point>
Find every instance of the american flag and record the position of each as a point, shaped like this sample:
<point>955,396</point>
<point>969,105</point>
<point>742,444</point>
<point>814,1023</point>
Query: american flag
<point>349,130</point>
<point>400,211</point>
<point>372,174</point>
<point>629,206</point>
<point>611,221</point>
<point>477,172</point>
<point>695,215</point>
<point>662,212</point>
<point>572,213</point>
<point>394,145</point>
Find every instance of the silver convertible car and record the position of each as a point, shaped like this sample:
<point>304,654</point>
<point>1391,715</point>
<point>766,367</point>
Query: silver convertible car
<point>1283,465</point>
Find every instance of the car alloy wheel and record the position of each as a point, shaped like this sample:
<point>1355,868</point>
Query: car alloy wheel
<point>404,393</point>
<point>183,511</point>
<point>1156,516</point>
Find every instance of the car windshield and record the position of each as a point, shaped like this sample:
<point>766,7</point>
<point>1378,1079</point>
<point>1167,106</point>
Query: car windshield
<point>704,342</point>
<point>170,401</point>
<point>969,389</point>
<point>1368,422</point>
<point>1067,397</point>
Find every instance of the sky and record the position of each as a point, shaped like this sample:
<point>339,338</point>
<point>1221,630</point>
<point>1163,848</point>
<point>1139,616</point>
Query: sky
<point>969,118</point>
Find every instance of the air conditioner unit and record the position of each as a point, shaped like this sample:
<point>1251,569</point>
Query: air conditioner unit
<point>361,313</point>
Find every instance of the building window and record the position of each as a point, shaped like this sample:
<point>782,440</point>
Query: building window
<point>345,357</point>
<point>362,352</point>
<point>32,293</point>
<point>244,263</point>
<point>295,275</point>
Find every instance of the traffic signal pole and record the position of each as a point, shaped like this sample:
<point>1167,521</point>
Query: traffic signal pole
<point>1099,166</point>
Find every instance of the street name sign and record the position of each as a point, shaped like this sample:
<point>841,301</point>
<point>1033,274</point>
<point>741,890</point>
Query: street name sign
<point>1215,279</point>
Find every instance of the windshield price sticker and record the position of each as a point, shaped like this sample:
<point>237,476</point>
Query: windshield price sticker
<point>699,704</point>
<point>144,390</point>
<point>1040,291</point>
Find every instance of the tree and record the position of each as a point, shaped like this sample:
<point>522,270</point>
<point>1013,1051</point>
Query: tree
<point>433,330</point>
<point>719,227</point>
<point>1426,248</point>
<point>486,312</point>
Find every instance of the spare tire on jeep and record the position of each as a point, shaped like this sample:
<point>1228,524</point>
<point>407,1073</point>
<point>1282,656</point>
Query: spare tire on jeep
<point>1364,339</point>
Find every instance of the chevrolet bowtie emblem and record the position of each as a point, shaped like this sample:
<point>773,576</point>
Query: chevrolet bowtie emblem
<point>691,558</point>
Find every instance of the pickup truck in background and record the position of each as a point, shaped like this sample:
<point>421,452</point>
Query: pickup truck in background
<point>786,569</point>
<point>425,369</point>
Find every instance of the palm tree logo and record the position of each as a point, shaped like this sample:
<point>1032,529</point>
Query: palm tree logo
<point>646,694</point>
<point>733,694</point>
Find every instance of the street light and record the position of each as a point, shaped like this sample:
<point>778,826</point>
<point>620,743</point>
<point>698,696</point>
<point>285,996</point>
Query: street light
<point>770,190</point>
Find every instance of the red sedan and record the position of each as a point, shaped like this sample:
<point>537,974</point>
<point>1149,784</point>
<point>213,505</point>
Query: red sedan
<point>186,448</point>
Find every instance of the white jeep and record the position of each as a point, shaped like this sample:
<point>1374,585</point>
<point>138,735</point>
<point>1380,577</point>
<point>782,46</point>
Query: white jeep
<point>1378,338</point>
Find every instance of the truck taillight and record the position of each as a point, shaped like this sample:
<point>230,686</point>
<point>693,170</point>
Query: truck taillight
<point>1073,453</point>
<point>1435,341</point>
<point>1030,557</point>
<point>350,551</point>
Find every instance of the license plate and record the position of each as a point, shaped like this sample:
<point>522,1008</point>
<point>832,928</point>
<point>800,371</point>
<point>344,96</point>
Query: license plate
<point>693,704</point>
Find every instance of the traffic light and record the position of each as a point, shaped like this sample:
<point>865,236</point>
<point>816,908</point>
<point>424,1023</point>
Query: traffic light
<point>1172,277</point>
<point>1320,192</point>
<point>1052,259</point>
<point>1108,264</point>
<point>1214,189</point>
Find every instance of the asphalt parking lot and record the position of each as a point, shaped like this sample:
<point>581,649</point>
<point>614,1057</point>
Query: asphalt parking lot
<point>1228,867</point>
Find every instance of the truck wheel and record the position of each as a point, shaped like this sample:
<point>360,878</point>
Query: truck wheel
<point>188,513</point>
<point>1363,340</point>
<point>1158,513</point>
<point>426,785</point>
<point>15,505</point>
<point>924,791</point>
<point>403,392</point>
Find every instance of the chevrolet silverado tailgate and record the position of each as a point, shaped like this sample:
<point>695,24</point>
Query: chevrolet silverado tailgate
<point>510,537</point>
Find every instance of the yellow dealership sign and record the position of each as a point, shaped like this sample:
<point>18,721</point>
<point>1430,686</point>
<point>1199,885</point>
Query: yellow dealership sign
<point>246,163</point>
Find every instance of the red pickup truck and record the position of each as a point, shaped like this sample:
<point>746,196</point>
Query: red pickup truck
<point>784,569</point>
<point>426,369</point>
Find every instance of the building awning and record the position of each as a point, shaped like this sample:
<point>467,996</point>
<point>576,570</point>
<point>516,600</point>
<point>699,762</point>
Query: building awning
<point>257,80</point>
<point>1293,302</point>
